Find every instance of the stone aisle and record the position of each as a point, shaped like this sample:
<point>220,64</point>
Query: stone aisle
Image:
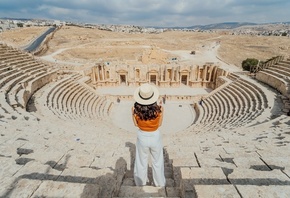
<point>128,188</point>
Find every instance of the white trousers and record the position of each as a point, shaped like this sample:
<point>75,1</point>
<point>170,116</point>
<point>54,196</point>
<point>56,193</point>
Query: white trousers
<point>149,143</point>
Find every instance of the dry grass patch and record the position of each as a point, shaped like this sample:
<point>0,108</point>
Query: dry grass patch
<point>21,36</point>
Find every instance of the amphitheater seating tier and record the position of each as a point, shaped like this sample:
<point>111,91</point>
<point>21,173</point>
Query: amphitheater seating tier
<point>235,104</point>
<point>193,170</point>
<point>68,98</point>
<point>277,76</point>
<point>20,77</point>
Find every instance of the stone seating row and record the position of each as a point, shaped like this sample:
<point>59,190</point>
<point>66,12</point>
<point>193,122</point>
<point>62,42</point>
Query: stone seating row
<point>203,172</point>
<point>19,81</point>
<point>234,105</point>
<point>277,76</point>
<point>232,182</point>
<point>7,57</point>
<point>69,99</point>
<point>55,172</point>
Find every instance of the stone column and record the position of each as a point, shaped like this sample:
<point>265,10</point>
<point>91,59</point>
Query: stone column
<point>177,75</point>
<point>190,74</point>
<point>210,72</point>
<point>172,74</point>
<point>166,74</point>
<point>215,73</point>
<point>103,72</point>
<point>162,73</point>
<point>197,73</point>
<point>98,73</point>
<point>204,73</point>
<point>94,75</point>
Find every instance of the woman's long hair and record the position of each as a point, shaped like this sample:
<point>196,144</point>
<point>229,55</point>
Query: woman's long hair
<point>147,112</point>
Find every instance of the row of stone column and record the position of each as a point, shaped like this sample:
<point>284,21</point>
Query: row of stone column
<point>103,73</point>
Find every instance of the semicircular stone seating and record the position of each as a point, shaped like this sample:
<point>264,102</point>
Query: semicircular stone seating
<point>20,77</point>
<point>236,103</point>
<point>277,76</point>
<point>71,98</point>
<point>67,96</point>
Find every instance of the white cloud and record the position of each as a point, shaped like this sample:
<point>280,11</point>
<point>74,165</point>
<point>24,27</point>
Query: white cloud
<point>150,12</point>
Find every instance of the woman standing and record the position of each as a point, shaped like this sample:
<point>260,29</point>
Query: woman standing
<point>147,116</point>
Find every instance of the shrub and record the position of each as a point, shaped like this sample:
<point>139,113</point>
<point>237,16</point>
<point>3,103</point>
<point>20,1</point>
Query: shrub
<point>249,64</point>
<point>19,24</point>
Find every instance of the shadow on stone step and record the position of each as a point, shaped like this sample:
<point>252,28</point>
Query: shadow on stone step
<point>107,184</point>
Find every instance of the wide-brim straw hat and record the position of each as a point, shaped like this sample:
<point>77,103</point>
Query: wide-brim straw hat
<point>146,94</point>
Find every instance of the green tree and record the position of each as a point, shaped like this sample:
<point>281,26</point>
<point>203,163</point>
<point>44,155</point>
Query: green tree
<point>249,64</point>
<point>19,24</point>
<point>284,34</point>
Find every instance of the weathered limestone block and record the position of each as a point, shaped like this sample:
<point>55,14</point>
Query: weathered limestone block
<point>128,182</point>
<point>173,192</point>
<point>36,171</point>
<point>272,151</point>
<point>18,187</point>
<point>272,191</point>
<point>253,177</point>
<point>185,162</point>
<point>67,189</point>
<point>201,176</point>
<point>10,149</point>
<point>277,162</point>
<point>216,191</point>
<point>287,171</point>
<point>215,162</point>
<point>104,178</point>
<point>35,85</point>
<point>73,159</point>
<point>8,167</point>
<point>250,162</point>
<point>104,162</point>
<point>144,191</point>
<point>50,157</point>
<point>279,84</point>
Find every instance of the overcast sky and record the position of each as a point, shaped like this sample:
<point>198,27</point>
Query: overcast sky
<point>150,12</point>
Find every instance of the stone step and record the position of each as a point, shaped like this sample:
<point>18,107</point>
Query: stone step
<point>67,189</point>
<point>249,191</point>
<point>201,176</point>
<point>243,176</point>
<point>130,182</point>
<point>142,191</point>
<point>215,191</point>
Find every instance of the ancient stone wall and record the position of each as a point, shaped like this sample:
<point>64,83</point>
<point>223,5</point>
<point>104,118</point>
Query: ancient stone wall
<point>160,75</point>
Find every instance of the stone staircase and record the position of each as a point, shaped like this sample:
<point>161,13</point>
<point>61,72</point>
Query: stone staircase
<point>128,188</point>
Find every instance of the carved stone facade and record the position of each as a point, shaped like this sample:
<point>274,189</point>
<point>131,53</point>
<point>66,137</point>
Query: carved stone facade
<point>160,75</point>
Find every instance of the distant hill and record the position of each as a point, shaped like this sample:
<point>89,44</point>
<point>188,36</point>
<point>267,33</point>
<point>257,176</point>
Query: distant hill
<point>225,25</point>
<point>20,19</point>
<point>215,26</point>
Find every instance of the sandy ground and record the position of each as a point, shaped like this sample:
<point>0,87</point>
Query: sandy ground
<point>22,36</point>
<point>74,45</point>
